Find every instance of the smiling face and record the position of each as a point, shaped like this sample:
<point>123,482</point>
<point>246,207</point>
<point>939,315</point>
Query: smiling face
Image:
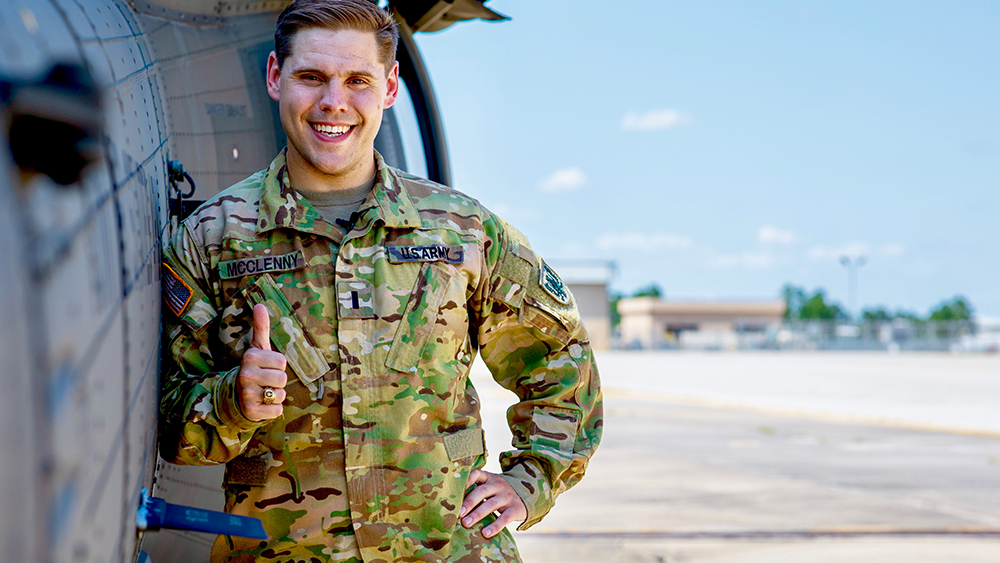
<point>331,92</point>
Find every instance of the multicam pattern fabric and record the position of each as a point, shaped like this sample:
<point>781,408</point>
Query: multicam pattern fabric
<point>381,426</point>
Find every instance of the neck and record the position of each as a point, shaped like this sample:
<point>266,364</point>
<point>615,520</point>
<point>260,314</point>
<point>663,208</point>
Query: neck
<point>303,176</point>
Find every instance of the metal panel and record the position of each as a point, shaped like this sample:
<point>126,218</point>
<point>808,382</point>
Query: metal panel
<point>99,510</point>
<point>200,487</point>
<point>18,436</point>
<point>215,98</point>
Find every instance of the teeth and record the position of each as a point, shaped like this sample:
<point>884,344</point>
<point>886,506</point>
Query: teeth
<point>330,129</point>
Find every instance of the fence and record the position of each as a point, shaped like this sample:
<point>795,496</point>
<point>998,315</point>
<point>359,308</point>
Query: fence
<point>895,335</point>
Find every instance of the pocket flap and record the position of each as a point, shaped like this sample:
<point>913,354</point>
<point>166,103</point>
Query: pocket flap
<point>419,318</point>
<point>554,430</point>
<point>287,334</point>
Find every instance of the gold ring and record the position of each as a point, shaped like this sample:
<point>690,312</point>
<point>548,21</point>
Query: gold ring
<point>268,395</point>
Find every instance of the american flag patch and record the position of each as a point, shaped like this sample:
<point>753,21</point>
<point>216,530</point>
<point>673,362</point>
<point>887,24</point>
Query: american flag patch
<point>176,293</point>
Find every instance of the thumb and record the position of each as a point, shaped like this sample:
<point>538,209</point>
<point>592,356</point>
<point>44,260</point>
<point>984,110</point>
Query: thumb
<point>261,327</point>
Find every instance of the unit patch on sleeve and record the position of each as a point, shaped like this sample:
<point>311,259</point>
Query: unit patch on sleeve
<point>550,282</point>
<point>260,264</point>
<point>176,293</point>
<point>428,253</point>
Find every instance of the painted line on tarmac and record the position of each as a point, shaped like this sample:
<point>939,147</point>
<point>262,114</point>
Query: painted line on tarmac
<point>836,532</point>
<point>826,416</point>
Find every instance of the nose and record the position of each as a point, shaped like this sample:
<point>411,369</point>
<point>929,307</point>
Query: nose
<point>334,98</point>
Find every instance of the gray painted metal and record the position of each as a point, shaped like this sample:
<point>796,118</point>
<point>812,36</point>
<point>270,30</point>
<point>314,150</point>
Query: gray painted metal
<point>79,342</point>
<point>81,330</point>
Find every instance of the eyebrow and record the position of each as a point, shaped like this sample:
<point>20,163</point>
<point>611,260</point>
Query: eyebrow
<point>309,70</point>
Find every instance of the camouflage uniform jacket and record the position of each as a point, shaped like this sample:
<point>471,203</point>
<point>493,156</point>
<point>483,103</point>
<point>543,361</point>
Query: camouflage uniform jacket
<point>381,425</point>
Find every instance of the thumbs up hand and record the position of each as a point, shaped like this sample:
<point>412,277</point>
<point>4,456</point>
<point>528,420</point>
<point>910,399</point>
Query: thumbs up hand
<point>261,381</point>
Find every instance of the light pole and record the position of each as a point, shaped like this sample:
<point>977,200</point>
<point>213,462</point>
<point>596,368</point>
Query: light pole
<point>852,266</point>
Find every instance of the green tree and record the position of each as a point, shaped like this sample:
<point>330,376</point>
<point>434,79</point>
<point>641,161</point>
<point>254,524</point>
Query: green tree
<point>958,309</point>
<point>877,314</point>
<point>800,305</point>
<point>816,307</point>
<point>651,290</point>
<point>794,298</point>
<point>616,317</point>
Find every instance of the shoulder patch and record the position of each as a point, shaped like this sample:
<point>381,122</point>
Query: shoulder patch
<point>176,294</point>
<point>552,284</point>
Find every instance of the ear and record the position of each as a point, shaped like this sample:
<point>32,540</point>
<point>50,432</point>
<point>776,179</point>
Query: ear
<point>392,86</point>
<point>273,77</point>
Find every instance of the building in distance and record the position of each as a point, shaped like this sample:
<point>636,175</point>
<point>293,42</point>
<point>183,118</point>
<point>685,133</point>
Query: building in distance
<point>588,280</point>
<point>651,322</point>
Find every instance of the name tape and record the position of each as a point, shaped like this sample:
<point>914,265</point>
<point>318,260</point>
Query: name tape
<point>428,253</point>
<point>260,264</point>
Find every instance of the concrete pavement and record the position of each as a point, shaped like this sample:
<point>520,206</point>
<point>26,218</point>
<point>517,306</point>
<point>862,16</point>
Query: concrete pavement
<point>773,457</point>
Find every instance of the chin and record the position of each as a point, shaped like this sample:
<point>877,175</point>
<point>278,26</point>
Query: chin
<point>332,169</point>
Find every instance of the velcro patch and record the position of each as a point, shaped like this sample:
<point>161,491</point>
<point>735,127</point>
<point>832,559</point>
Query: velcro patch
<point>250,471</point>
<point>465,443</point>
<point>356,300</point>
<point>260,264</point>
<point>428,253</point>
<point>552,284</point>
<point>176,293</point>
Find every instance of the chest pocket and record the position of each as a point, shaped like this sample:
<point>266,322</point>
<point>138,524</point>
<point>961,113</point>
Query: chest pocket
<point>287,334</point>
<point>420,318</point>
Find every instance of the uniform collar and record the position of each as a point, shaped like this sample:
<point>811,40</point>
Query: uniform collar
<point>282,206</point>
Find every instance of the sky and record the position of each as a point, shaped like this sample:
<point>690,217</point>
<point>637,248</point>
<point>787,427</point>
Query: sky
<point>723,149</point>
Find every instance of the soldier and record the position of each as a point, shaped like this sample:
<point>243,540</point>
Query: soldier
<point>322,317</point>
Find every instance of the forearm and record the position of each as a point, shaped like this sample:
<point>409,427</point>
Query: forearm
<point>540,350</point>
<point>557,427</point>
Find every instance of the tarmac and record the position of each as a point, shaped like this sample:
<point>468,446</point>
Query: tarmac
<point>780,457</point>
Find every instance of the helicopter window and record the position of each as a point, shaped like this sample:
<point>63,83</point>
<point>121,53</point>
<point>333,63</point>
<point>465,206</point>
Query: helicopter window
<point>409,131</point>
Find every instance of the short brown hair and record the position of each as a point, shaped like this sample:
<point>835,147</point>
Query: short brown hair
<point>336,15</point>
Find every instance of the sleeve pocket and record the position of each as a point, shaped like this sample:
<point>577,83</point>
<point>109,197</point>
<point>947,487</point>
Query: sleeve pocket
<point>553,431</point>
<point>287,334</point>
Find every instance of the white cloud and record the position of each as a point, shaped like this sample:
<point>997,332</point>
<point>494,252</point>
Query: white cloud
<point>891,250</point>
<point>768,234</point>
<point>748,259</point>
<point>576,250</point>
<point>643,241</point>
<point>517,215</point>
<point>853,250</point>
<point>565,180</point>
<point>654,120</point>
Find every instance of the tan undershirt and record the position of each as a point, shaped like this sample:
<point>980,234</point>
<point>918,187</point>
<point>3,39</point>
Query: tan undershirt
<point>337,206</point>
